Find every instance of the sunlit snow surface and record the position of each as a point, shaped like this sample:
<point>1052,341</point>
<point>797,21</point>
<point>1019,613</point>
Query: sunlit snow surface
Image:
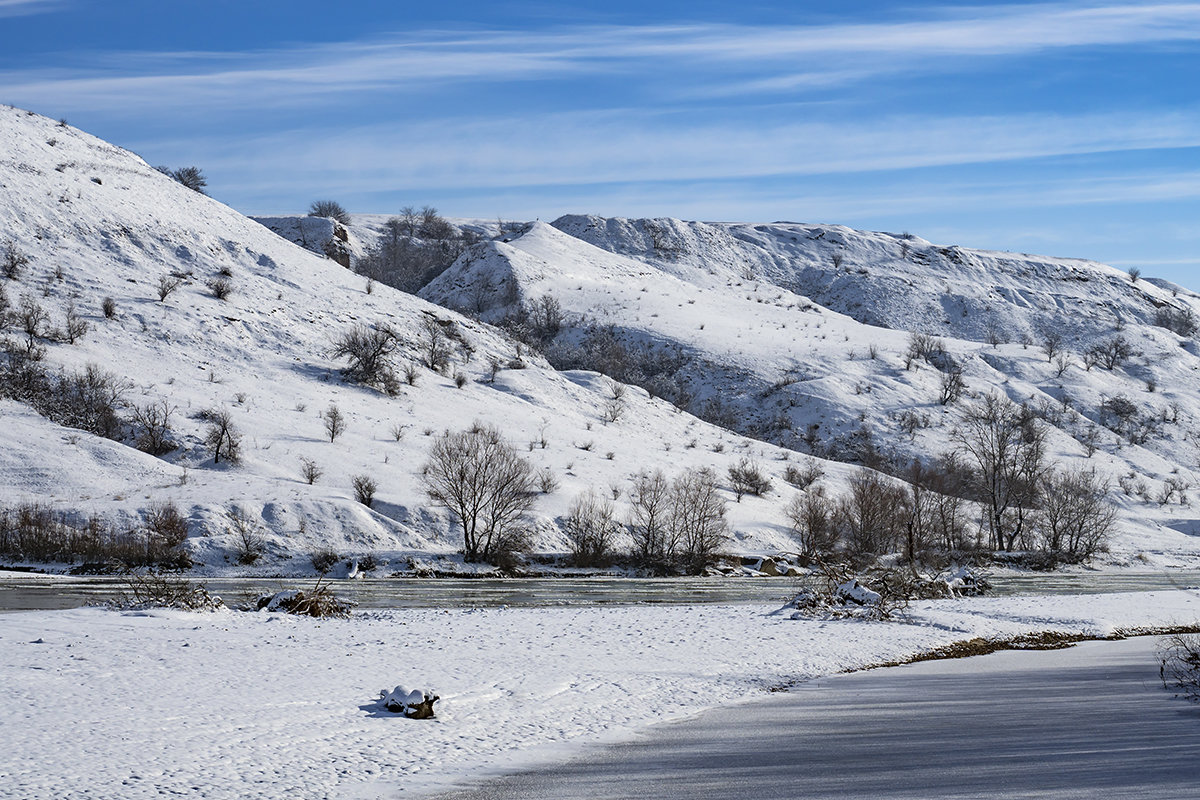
<point>255,705</point>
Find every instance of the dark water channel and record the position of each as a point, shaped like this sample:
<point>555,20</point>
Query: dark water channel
<point>23,592</point>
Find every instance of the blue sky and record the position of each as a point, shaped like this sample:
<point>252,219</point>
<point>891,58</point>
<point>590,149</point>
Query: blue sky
<point>1066,128</point>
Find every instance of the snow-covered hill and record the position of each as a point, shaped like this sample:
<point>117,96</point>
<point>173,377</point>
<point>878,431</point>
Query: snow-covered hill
<point>97,222</point>
<point>778,342</point>
<point>760,334</point>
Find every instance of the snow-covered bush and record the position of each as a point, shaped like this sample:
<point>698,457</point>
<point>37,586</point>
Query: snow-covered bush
<point>320,602</point>
<point>155,590</point>
<point>416,704</point>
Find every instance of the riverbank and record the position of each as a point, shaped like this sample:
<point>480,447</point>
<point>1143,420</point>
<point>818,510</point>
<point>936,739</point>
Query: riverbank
<point>254,705</point>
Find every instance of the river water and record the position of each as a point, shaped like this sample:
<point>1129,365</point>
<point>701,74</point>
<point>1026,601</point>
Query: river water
<point>24,592</point>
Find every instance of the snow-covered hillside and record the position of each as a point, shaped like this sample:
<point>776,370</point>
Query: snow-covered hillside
<point>97,222</point>
<point>779,342</point>
<point>755,347</point>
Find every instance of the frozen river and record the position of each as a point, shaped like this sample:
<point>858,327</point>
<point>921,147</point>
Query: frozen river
<point>1086,722</point>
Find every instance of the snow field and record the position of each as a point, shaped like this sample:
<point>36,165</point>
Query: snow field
<point>234,705</point>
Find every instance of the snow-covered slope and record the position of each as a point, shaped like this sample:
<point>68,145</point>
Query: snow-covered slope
<point>96,221</point>
<point>894,280</point>
<point>767,359</point>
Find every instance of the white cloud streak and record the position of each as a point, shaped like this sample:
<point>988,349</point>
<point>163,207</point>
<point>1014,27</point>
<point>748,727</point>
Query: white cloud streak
<point>639,147</point>
<point>773,58</point>
<point>21,8</point>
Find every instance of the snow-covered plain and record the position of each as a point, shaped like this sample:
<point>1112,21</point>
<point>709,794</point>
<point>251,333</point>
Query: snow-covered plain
<point>255,705</point>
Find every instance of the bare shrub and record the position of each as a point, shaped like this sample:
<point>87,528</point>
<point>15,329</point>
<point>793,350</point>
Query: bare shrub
<point>804,475</point>
<point>334,421</point>
<point>546,481</point>
<point>435,344</point>
<point>330,209</point>
<point>487,487</point>
<point>148,589</point>
<point>13,262</point>
<point>1179,320</point>
<point>248,543</point>
<point>310,471</point>
<point>1052,342</point>
<point>1179,664</point>
<point>1110,353</point>
<point>923,346</point>
<point>460,379</point>
<point>76,327</point>
<point>221,436</point>
<point>747,477</point>
<point>153,423</point>
<point>168,284</point>
<point>591,529</point>
<point>369,350</point>
<point>109,307</point>
<point>221,287</point>
<point>951,386</point>
<point>191,177</point>
<point>168,532</point>
<point>324,559</point>
<point>364,489</point>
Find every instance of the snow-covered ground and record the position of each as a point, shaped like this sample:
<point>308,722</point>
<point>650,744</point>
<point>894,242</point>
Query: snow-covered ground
<point>254,705</point>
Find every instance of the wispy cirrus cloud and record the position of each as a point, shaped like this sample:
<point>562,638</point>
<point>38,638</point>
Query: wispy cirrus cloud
<point>587,148</point>
<point>20,8</point>
<point>763,58</point>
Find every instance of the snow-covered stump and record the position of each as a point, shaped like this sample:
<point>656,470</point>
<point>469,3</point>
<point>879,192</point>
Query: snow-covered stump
<point>414,705</point>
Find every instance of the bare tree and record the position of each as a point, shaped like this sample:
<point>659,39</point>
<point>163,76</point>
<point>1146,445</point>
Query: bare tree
<point>76,326</point>
<point>590,528</point>
<point>435,344</point>
<point>1051,344</point>
<point>649,519</point>
<point>1004,445</point>
<point>13,261</point>
<point>1076,516</point>
<point>811,518</point>
<point>330,209</point>
<point>364,489</point>
<point>488,487</point>
<point>248,542</point>
<point>872,514</point>
<point>1110,353</point>
<point>335,422</point>
<point>191,177</point>
<point>698,516</point>
<point>951,386</point>
<point>168,284</point>
<point>222,437</point>
<point>310,471</point>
